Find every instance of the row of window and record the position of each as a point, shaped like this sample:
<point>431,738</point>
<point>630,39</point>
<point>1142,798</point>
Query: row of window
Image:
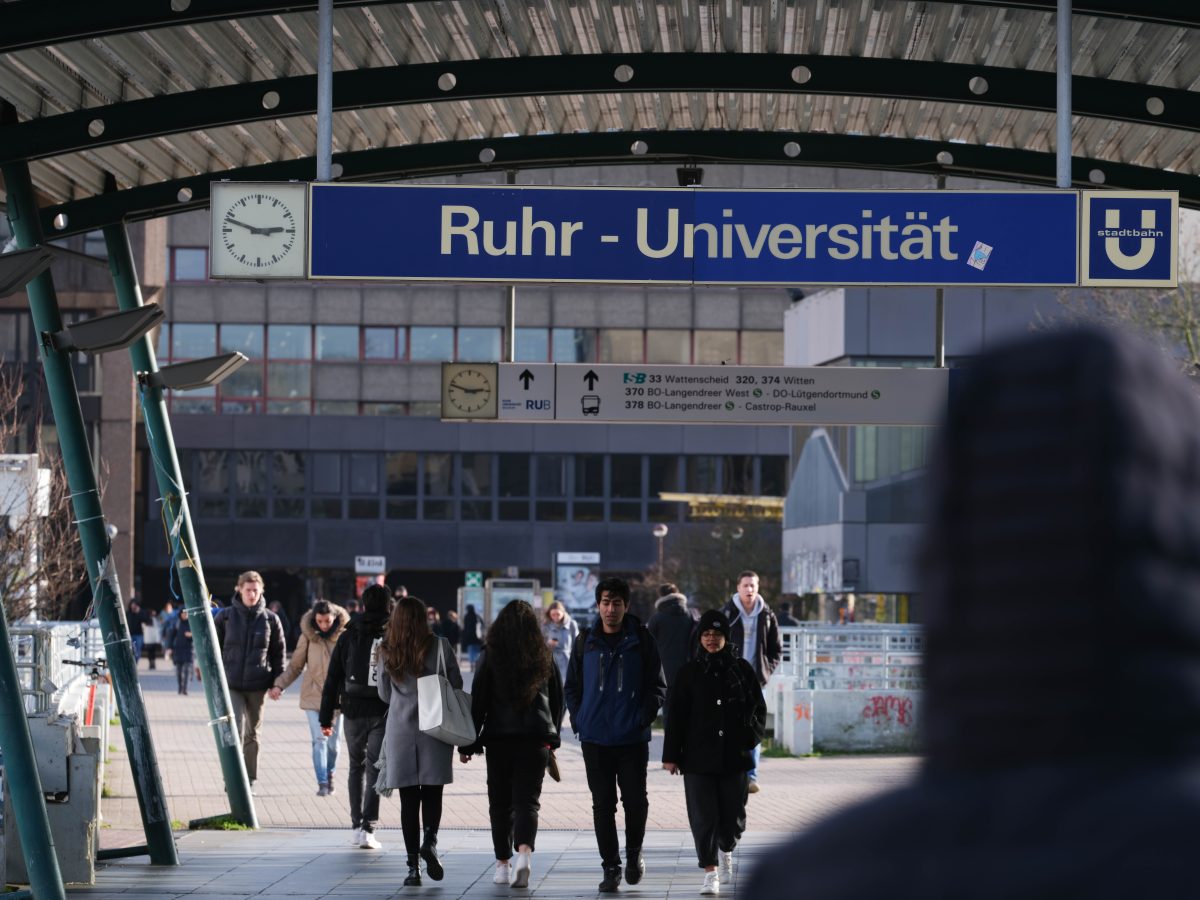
<point>278,379</point>
<point>623,487</point>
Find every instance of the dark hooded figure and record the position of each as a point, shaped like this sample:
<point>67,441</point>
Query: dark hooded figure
<point>1061,569</point>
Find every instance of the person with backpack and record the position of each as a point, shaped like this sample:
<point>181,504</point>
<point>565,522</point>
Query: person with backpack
<point>351,687</point>
<point>614,688</point>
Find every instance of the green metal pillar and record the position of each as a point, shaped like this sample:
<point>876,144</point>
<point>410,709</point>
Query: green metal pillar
<point>24,782</point>
<point>182,538</point>
<point>97,548</point>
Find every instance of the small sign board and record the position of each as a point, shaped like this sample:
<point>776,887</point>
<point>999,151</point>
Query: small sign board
<point>370,565</point>
<point>473,580</point>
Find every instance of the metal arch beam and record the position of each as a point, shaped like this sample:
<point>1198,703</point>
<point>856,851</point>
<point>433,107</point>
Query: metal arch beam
<point>73,20</point>
<point>531,76</point>
<point>615,148</point>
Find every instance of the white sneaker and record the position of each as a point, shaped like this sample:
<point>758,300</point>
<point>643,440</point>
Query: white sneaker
<point>357,839</point>
<point>369,841</point>
<point>712,883</point>
<point>502,875</point>
<point>725,866</point>
<point>520,874</point>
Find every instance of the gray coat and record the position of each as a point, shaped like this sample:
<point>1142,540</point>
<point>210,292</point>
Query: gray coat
<point>411,757</point>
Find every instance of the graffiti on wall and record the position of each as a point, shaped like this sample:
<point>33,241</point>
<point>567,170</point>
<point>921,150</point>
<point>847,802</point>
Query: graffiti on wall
<point>884,710</point>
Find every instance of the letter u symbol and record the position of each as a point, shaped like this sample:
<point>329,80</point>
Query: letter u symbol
<point>1112,245</point>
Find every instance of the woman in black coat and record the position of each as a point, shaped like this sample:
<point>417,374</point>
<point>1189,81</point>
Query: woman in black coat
<point>716,717</point>
<point>517,704</point>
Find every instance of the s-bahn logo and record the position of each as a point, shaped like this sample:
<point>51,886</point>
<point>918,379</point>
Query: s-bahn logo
<point>1130,238</point>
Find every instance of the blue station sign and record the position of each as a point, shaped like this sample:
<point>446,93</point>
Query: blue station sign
<point>753,237</point>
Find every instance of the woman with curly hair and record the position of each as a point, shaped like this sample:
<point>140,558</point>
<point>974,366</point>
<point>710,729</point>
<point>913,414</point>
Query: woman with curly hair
<point>416,764</point>
<point>517,703</point>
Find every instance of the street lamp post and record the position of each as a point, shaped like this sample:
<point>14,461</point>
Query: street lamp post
<point>660,531</point>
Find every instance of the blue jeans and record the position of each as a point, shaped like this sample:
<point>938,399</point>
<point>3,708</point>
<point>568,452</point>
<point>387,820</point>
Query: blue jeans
<point>756,752</point>
<point>325,749</point>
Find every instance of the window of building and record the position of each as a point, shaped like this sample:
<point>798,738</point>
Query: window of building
<point>95,245</point>
<point>336,407</point>
<point>479,344</point>
<point>337,342</point>
<point>193,341</point>
<point>773,476</point>
<point>242,391</point>
<point>622,345</point>
<point>327,473</point>
<point>475,485</point>
<point>513,483</point>
<point>573,345</point>
<point>187,263</point>
<point>712,348</point>
<point>738,475</point>
<point>250,484</point>
<point>289,386</point>
<point>400,472</point>
<point>439,486</point>
<point>430,409</point>
<point>702,474</point>
<point>289,484</point>
<point>532,344</point>
<point>385,409</point>
<point>364,473</point>
<point>668,346</point>
<point>431,344</point>
<point>289,342</point>
<point>212,471</point>
<point>247,339</point>
<point>162,344</point>
<point>662,475</point>
<point>762,348</point>
<point>384,343</point>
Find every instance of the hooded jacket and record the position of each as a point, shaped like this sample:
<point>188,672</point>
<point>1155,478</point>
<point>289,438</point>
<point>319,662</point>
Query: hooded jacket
<point>1061,576</point>
<point>251,640</point>
<point>359,635</point>
<point>312,655</point>
<point>614,693</point>
<point>768,648</point>
<point>672,628</point>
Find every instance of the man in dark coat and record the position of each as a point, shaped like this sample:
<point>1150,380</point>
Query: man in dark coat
<point>364,715</point>
<point>673,629</point>
<point>251,638</point>
<point>1061,583</point>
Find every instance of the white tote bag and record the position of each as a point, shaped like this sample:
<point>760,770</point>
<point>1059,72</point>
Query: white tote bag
<point>444,711</point>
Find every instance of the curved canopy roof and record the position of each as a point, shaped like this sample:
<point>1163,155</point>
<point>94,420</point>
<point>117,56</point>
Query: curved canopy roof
<point>128,110</point>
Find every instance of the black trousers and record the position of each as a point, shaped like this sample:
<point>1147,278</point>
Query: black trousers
<point>421,801</point>
<point>716,808</point>
<point>515,770</point>
<point>610,768</point>
<point>364,737</point>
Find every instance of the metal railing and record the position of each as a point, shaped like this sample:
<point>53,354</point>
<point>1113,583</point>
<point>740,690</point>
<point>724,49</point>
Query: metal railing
<point>53,657</point>
<point>853,657</point>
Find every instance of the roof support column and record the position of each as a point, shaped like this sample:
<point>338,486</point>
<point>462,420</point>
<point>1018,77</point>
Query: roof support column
<point>182,538</point>
<point>1063,111</point>
<point>85,501</point>
<point>324,90</point>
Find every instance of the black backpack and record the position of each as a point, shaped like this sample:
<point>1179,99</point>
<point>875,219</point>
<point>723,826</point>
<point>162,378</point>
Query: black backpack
<point>361,657</point>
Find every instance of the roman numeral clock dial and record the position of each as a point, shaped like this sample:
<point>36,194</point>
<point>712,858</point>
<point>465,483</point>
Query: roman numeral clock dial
<point>258,230</point>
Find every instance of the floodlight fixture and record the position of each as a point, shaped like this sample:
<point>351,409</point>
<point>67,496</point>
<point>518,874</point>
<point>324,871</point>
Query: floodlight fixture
<point>102,334</point>
<point>195,373</point>
<point>19,267</point>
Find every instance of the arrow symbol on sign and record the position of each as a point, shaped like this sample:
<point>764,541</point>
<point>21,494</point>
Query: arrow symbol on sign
<point>525,377</point>
<point>591,378</point>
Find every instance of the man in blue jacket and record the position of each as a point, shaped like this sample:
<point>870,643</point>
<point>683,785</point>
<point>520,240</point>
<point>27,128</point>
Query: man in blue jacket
<point>614,688</point>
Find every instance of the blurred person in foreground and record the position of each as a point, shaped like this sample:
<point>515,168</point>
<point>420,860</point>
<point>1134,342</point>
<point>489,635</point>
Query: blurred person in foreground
<point>1061,570</point>
<point>517,705</point>
<point>717,716</point>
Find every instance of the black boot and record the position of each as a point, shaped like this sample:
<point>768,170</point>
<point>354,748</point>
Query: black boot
<point>612,879</point>
<point>414,872</point>
<point>635,866</point>
<point>433,865</point>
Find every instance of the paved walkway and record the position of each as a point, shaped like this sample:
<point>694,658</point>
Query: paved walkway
<point>304,850</point>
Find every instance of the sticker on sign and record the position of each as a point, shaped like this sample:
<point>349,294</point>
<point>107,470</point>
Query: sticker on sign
<point>370,565</point>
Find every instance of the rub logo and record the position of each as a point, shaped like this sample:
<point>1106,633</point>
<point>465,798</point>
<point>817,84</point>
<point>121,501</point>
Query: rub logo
<point>1129,238</point>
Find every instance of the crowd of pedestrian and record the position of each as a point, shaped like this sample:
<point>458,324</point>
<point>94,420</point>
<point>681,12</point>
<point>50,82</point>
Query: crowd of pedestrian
<point>358,666</point>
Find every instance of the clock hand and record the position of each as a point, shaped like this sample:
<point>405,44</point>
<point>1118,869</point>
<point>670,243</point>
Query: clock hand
<point>251,228</point>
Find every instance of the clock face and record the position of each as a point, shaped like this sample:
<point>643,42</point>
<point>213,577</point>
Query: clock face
<point>469,390</point>
<point>258,230</point>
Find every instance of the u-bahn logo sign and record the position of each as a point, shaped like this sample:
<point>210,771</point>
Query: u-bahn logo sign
<point>1030,238</point>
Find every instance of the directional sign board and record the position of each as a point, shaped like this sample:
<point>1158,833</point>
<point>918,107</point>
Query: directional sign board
<point>763,395</point>
<point>712,236</point>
